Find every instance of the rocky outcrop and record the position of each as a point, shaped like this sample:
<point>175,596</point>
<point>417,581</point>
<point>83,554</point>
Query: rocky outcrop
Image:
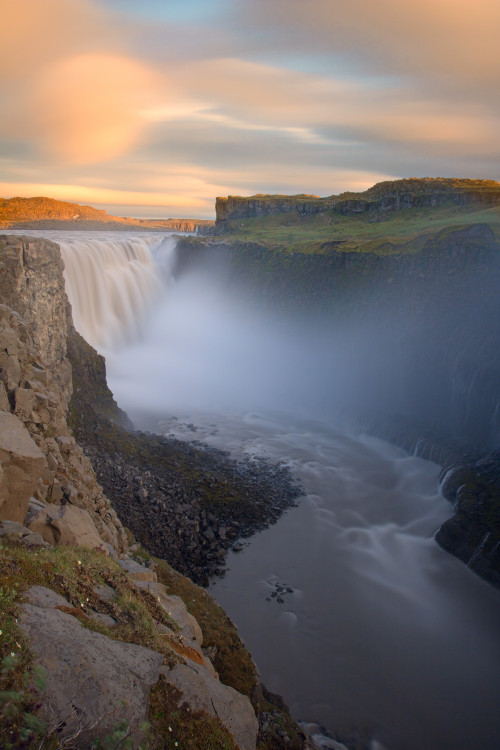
<point>31,283</point>
<point>66,524</point>
<point>381,198</point>
<point>95,683</point>
<point>39,457</point>
<point>92,681</point>
<point>21,466</point>
<point>473,533</point>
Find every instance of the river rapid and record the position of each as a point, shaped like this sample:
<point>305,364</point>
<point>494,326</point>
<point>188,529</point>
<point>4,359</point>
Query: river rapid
<point>351,611</point>
<point>380,635</point>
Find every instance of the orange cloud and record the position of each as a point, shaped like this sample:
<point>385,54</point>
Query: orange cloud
<point>68,87</point>
<point>88,108</point>
<point>34,33</point>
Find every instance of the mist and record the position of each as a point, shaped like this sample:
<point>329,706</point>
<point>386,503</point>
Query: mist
<point>204,344</point>
<point>213,342</point>
<point>379,620</point>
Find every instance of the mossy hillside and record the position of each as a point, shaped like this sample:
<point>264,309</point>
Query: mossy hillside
<point>232,660</point>
<point>74,573</point>
<point>337,277</point>
<point>329,231</point>
<point>175,726</point>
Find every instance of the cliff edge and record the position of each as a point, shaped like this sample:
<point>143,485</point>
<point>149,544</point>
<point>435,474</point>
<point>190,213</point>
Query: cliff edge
<point>100,642</point>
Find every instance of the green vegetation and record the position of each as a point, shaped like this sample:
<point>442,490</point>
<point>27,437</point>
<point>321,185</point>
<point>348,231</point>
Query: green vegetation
<point>364,232</point>
<point>74,573</point>
<point>174,725</point>
<point>231,659</point>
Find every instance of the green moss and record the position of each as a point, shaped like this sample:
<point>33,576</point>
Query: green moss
<point>232,659</point>
<point>369,232</point>
<point>174,725</point>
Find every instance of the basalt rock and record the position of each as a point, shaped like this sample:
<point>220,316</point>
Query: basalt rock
<point>35,390</point>
<point>21,465</point>
<point>381,198</point>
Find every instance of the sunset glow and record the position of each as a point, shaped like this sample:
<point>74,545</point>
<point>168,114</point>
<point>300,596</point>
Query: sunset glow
<point>158,109</point>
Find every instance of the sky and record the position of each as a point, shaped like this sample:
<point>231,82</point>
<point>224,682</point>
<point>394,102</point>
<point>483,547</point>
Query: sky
<point>152,108</point>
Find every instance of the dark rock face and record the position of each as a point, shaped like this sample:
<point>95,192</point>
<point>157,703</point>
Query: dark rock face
<point>473,534</point>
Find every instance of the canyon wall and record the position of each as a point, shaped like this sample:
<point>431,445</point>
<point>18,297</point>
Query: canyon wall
<point>383,198</point>
<point>35,389</point>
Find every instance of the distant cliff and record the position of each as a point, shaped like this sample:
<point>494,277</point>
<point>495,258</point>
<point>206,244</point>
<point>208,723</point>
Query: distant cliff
<point>381,198</point>
<point>47,213</point>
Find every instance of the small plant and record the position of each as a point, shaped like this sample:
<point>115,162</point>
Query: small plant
<point>19,725</point>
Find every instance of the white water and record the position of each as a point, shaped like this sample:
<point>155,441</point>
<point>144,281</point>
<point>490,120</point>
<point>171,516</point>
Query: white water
<point>384,633</point>
<point>112,280</point>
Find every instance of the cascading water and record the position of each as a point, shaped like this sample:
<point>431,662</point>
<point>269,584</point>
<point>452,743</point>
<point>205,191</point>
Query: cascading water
<point>113,284</point>
<point>351,610</point>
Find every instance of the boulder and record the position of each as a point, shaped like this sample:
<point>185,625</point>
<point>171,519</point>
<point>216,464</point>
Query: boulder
<point>92,682</point>
<point>21,465</point>
<point>67,524</point>
<point>204,693</point>
<point>15,530</point>
<point>175,607</point>
<point>138,572</point>
<point>4,399</point>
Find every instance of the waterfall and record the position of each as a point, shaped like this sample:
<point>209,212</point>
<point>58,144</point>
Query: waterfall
<point>113,283</point>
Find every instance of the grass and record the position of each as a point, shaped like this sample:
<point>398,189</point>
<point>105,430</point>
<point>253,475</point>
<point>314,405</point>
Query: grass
<point>74,573</point>
<point>366,232</point>
<point>174,725</point>
<point>232,660</point>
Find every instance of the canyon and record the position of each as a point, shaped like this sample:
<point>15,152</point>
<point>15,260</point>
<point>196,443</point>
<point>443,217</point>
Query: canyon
<point>397,308</point>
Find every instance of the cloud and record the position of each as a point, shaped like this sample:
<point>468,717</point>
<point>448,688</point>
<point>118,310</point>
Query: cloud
<point>239,95</point>
<point>67,95</point>
<point>281,96</point>
<point>99,196</point>
<point>88,108</point>
<point>34,34</point>
<point>441,38</point>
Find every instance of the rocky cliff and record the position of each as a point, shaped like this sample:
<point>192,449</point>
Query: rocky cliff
<point>35,390</point>
<point>383,198</point>
<point>98,641</point>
